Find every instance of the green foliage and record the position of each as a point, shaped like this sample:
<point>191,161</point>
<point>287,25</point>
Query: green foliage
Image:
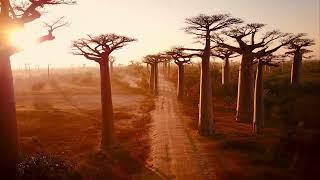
<point>284,105</point>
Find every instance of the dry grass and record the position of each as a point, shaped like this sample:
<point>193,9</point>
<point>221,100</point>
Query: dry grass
<point>48,126</point>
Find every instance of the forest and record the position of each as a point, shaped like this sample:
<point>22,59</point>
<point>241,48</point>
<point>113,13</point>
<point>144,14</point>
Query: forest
<point>238,103</point>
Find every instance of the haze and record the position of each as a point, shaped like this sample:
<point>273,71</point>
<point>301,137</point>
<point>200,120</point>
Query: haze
<point>157,25</point>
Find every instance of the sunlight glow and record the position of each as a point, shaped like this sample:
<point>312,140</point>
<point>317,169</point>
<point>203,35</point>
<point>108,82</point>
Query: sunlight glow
<point>21,39</point>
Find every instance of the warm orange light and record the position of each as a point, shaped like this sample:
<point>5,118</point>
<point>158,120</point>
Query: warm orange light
<point>21,39</point>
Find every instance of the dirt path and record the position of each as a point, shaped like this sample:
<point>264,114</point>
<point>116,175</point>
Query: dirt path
<point>175,154</point>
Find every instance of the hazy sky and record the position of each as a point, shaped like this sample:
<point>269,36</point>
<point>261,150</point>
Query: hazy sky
<point>157,24</point>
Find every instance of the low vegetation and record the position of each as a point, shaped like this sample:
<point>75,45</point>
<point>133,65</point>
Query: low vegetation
<point>273,154</point>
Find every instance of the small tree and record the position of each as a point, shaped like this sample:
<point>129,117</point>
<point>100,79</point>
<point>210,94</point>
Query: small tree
<point>12,16</point>
<point>180,58</point>
<point>202,27</point>
<point>98,49</point>
<point>258,113</point>
<point>250,49</point>
<point>225,54</point>
<point>298,49</point>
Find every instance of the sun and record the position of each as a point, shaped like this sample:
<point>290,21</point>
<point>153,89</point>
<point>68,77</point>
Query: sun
<point>21,39</point>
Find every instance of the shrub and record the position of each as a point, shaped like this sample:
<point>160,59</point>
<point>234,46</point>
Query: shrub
<point>45,167</point>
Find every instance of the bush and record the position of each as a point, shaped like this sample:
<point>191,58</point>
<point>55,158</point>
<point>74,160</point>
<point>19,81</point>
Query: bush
<point>45,167</point>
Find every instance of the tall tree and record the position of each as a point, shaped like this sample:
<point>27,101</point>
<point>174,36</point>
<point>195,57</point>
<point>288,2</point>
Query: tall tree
<point>203,27</point>
<point>298,49</point>
<point>250,48</point>
<point>112,59</point>
<point>150,63</point>
<point>225,54</point>
<point>98,49</point>
<point>14,16</point>
<point>258,112</point>
<point>180,58</point>
<point>154,60</point>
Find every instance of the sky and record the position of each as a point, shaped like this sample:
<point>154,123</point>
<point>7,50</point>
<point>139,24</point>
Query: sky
<point>156,24</point>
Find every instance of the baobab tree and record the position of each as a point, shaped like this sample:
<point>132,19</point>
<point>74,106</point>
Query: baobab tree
<point>14,16</point>
<point>150,63</point>
<point>225,54</point>
<point>258,112</point>
<point>98,49</point>
<point>298,49</point>
<point>112,59</point>
<point>250,48</point>
<point>153,61</point>
<point>203,27</point>
<point>180,58</point>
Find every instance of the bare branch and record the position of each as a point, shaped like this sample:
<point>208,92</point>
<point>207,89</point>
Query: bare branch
<point>99,47</point>
<point>204,24</point>
<point>30,10</point>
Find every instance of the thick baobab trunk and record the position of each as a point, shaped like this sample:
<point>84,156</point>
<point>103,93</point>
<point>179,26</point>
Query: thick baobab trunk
<point>296,69</point>
<point>168,69</point>
<point>8,124</point>
<point>226,72</point>
<point>151,80</point>
<point>155,89</point>
<point>107,108</point>
<point>111,67</point>
<point>165,66</point>
<point>245,90</point>
<point>180,85</point>
<point>258,113</point>
<point>206,122</point>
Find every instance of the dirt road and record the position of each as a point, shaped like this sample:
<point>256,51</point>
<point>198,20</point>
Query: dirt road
<point>175,154</point>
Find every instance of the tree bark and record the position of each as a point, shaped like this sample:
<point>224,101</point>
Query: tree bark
<point>4,8</point>
<point>168,69</point>
<point>8,124</point>
<point>111,66</point>
<point>206,122</point>
<point>151,80</point>
<point>296,69</point>
<point>226,72</point>
<point>107,108</point>
<point>155,89</point>
<point>180,85</point>
<point>245,90</point>
<point>258,113</point>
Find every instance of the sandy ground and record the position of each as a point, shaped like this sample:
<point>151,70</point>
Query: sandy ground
<point>63,118</point>
<point>175,154</point>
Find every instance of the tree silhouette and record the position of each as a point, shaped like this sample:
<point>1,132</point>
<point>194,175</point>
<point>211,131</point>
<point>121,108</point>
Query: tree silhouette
<point>180,58</point>
<point>14,16</point>
<point>258,112</point>
<point>251,49</point>
<point>112,59</point>
<point>150,63</point>
<point>297,48</point>
<point>225,54</point>
<point>153,61</point>
<point>203,27</point>
<point>98,49</point>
